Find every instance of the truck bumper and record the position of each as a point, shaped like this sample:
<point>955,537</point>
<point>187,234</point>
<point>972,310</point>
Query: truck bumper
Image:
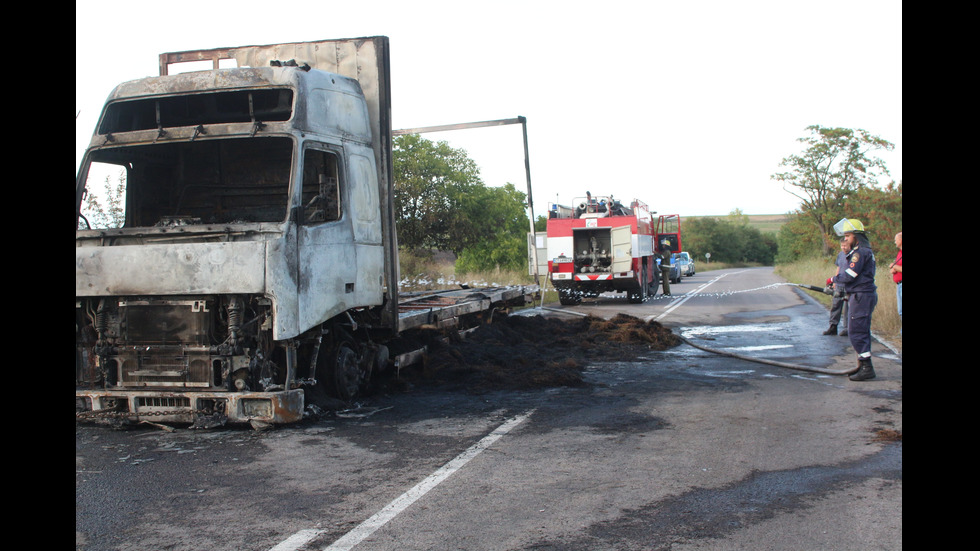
<point>184,407</point>
<point>595,283</point>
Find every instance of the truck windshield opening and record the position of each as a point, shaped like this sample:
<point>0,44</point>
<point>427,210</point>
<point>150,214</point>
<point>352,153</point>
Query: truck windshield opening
<point>200,182</point>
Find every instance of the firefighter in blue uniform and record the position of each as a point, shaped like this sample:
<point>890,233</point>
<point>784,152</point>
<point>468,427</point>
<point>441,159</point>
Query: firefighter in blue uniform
<point>858,280</point>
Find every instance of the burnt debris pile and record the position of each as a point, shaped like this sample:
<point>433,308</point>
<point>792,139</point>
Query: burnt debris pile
<point>527,352</point>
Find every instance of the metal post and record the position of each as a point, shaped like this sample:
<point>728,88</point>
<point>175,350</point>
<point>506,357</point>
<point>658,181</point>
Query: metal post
<point>530,203</point>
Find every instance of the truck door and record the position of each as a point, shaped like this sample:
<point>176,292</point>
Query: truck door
<point>669,229</point>
<point>622,249</point>
<point>327,259</point>
<point>341,258</point>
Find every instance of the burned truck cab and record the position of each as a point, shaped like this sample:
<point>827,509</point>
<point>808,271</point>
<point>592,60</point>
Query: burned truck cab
<point>222,218</point>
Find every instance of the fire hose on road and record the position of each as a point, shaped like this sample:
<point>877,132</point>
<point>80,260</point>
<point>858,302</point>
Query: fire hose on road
<point>797,367</point>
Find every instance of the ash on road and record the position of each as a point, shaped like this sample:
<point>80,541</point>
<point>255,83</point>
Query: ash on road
<point>525,352</point>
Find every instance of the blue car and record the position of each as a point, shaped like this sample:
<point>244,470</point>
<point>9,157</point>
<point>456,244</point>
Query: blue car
<point>684,261</point>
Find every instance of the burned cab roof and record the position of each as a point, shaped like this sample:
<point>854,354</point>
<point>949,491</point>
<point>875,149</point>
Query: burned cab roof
<point>240,95</point>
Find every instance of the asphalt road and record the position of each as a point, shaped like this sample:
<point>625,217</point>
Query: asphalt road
<point>676,450</point>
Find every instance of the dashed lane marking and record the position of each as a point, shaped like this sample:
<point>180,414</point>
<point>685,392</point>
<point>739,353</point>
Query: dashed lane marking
<point>393,509</point>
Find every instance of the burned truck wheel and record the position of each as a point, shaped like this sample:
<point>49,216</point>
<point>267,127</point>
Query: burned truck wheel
<point>345,373</point>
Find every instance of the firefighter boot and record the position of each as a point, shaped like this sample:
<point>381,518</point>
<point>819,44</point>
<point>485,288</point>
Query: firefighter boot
<point>865,371</point>
<point>832,330</point>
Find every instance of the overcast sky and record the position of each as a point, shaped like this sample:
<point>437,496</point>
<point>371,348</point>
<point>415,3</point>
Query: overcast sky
<point>688,106</point>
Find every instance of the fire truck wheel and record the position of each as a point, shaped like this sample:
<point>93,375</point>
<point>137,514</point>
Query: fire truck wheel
<point>635,296</point>
<point>638,295</point>
<point>568,298</point>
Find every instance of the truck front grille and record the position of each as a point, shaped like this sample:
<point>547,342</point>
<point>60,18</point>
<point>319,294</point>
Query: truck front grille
<point>160,402</point>
<point>176,366</point>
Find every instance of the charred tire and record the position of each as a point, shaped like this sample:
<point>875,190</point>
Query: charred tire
<point>346,374</point>
<point>380,360</point>
<point>338,373</point>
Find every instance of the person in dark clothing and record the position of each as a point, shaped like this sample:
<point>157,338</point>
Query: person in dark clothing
<point>858,280</point>
<point>838,305</point>
<point>665,265</point>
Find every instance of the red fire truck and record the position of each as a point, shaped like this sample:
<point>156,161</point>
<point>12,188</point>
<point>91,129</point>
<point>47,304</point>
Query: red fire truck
<point>602,245</point>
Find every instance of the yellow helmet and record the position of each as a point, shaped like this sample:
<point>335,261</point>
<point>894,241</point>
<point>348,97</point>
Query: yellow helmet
<point>848,226</point>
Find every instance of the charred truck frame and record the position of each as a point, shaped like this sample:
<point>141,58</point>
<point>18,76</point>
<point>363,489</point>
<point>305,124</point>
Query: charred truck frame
<point>257,257</point>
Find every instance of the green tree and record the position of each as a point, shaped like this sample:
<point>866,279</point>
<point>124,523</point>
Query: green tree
<point>798,238</point>
<point>497,237</point>
<point>541,223</point>
<point>758,246</point>
<point>731,239</point>
<point>836,163</point>
<point>708,235</point>
<point>737,218</point>
<point>505,253</point>
<point>441,203</point>
<point>879,209</point>
<point>432,181</point>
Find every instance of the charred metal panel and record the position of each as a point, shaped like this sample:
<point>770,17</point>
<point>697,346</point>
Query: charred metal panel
<point>336,276</point>
<point>282,283</point>
<point>363,59</point>
<point>348,114</point>
<point>328,263</point>
<point>205,268</point>
<point>365,210</point>
<point>206,81</point>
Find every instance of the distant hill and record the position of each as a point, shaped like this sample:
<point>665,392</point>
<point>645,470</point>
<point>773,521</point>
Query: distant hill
<point>766,223</point>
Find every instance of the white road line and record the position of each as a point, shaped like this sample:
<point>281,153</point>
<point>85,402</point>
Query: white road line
<point>674,305</point>
<point>401,503</point>
<point>390,511</point>
<point>297,540</point>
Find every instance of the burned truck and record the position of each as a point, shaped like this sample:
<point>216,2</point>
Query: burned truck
<point>254,257</point>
